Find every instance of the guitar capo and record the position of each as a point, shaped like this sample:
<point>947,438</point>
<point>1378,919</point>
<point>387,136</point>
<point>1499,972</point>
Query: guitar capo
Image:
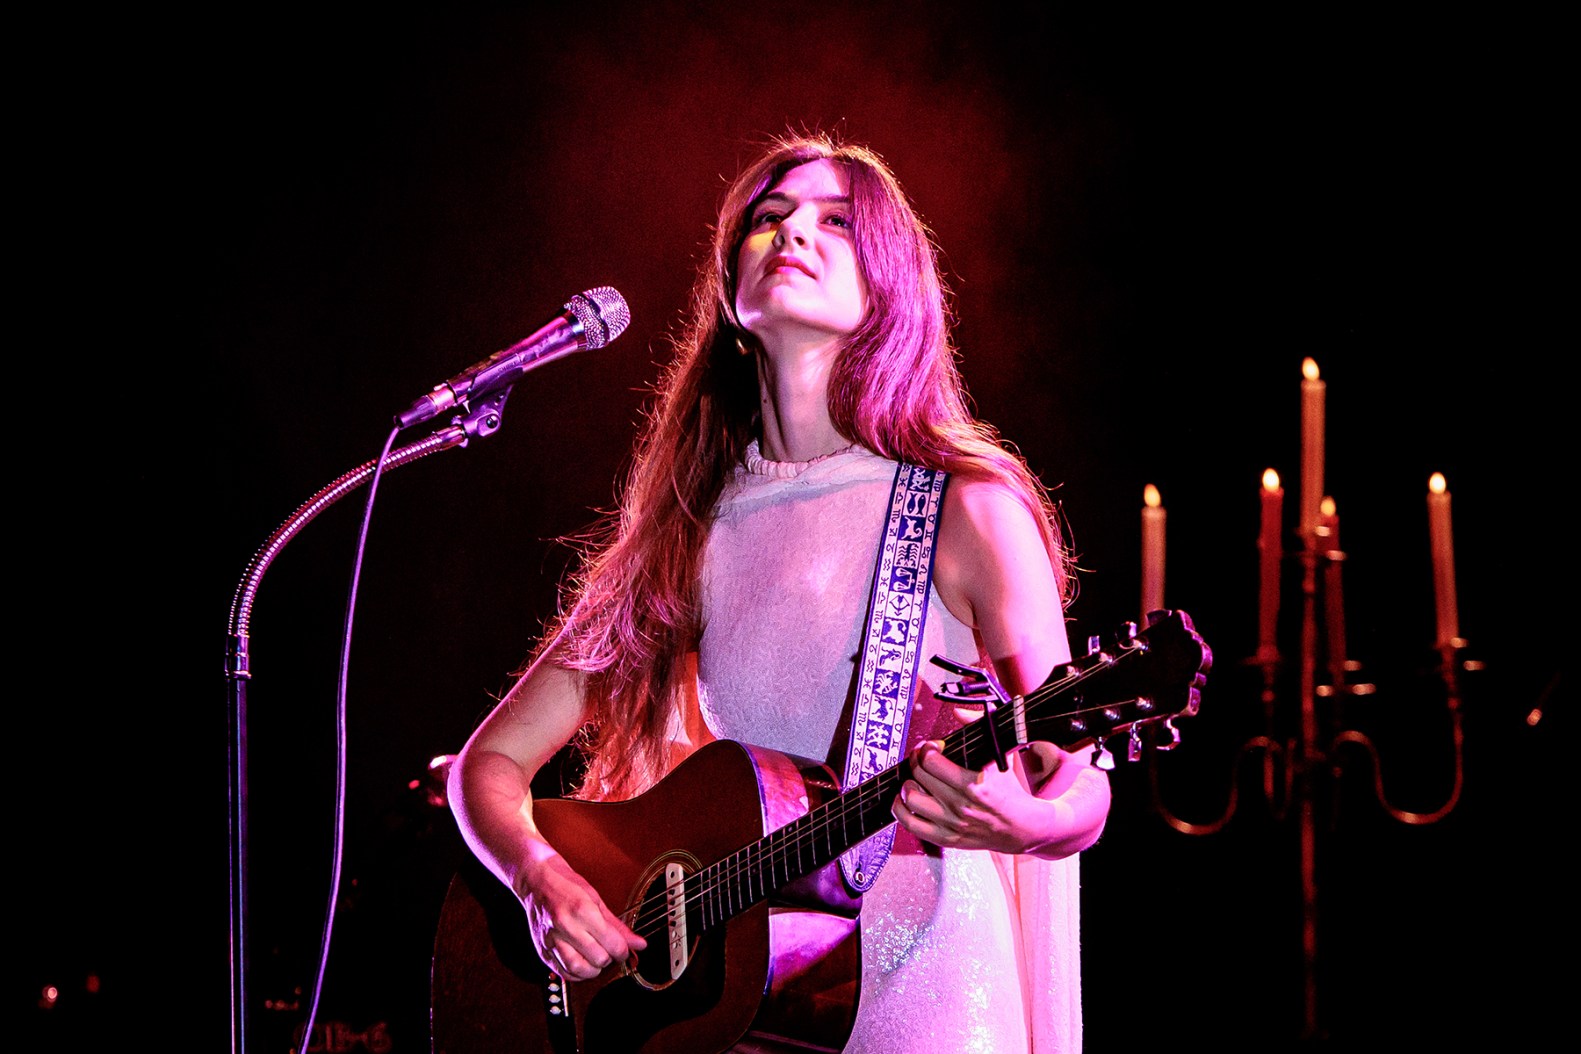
<point>979,687</point>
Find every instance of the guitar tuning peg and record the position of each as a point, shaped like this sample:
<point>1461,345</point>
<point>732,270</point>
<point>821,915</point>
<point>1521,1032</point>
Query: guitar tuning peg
<point>1133,746</point>
<point>1094,644</point>
<point>1101,758</point>
<point>1128,630</point>
<point>1174,735</point>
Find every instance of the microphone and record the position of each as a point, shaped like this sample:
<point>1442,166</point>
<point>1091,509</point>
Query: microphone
<point>589,320</point>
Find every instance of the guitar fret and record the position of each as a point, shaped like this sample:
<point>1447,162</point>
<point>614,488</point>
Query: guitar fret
<point>705,896</point>
<point>788,850</point>
<point>716,898</point>
<point>743,882</point>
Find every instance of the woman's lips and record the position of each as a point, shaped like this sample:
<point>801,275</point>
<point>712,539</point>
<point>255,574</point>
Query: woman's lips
<point>778,262</point>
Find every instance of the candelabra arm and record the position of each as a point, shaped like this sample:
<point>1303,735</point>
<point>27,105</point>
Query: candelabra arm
<point>1271,750</point>
<point>1404,815</point>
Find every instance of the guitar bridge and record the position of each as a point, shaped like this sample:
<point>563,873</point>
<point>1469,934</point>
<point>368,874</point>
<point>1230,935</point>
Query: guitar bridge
<point>675,918</point>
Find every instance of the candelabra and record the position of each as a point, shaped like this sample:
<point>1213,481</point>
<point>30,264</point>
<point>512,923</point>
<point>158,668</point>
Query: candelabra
<point>1296,767</point>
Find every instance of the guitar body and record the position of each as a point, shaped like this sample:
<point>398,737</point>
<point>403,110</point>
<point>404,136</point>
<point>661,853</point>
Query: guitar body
<point>782,974</point>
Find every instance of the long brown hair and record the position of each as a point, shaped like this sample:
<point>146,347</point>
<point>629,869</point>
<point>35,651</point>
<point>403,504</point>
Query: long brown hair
<point>632,612</point>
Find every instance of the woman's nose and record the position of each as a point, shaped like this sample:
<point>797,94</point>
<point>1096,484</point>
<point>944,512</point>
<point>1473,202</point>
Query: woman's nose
<point>792,229</point>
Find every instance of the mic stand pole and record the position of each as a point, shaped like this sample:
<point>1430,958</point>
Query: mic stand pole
<point>480,422</point>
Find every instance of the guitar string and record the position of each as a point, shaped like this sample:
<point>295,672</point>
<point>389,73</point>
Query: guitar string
<point>813,828</point>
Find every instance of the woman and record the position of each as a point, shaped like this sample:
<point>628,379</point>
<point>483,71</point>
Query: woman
<point>728,599</point>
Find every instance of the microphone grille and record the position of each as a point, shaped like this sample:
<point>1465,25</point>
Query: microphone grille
<point>603,314</point>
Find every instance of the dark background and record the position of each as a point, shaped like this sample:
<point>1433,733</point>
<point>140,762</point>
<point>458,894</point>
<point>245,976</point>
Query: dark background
<point>252,241</point>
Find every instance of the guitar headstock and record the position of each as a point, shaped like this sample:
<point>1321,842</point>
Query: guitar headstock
<point>1126,681</point>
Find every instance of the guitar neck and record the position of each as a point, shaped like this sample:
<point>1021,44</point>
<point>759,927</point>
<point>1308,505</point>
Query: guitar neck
<point>723,890</point>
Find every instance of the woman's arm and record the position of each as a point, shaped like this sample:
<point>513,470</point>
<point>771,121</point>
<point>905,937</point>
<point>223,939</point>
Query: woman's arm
<point>490,794</point>
<point>994,573</point>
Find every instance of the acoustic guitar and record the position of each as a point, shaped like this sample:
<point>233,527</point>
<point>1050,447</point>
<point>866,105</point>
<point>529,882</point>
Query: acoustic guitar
<point>728,867</point>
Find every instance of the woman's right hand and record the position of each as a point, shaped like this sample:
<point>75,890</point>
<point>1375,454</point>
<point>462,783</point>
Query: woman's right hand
<point>490,787</point>
<point>575,933</point>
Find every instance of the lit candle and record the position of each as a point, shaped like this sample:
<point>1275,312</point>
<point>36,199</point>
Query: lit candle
<point>1152,551</point>
<point>1328,522</point>
<point>1334,601</point>
<point>1311,446</point>
<point>1443,559</point>
<point>1270,545</point>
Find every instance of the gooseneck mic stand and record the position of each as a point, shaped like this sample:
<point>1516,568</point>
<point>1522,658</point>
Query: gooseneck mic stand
<point>482,420</point>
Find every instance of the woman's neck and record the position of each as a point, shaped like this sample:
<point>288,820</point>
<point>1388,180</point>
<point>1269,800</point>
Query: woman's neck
<point>793,390</point>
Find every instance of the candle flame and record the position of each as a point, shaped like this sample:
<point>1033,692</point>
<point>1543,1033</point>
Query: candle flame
<point>1437,484</point>
<point>1309,369</point>
<point>1150,497</point>
<point>1326,506</point>
<point>1270,479</point>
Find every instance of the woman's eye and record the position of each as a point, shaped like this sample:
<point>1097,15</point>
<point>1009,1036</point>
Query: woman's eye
<point>765,217</point>
<point>840,219</point>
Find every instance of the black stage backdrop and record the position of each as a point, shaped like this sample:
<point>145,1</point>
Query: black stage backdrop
<point>252,241</point>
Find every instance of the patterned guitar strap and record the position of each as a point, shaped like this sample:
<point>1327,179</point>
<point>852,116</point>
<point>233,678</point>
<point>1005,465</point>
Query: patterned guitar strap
<point>895,620</point>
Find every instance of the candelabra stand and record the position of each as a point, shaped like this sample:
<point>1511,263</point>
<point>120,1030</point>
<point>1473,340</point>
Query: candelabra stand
<point>1295,769</point>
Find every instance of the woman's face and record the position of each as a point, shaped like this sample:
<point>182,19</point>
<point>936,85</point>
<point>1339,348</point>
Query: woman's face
<point>797,275</point>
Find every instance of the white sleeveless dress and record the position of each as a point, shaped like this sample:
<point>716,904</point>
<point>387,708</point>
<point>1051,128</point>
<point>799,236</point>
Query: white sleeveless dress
<point>969,952</point>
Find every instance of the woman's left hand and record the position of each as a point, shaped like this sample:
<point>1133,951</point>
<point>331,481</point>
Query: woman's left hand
<point>949,805</point>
